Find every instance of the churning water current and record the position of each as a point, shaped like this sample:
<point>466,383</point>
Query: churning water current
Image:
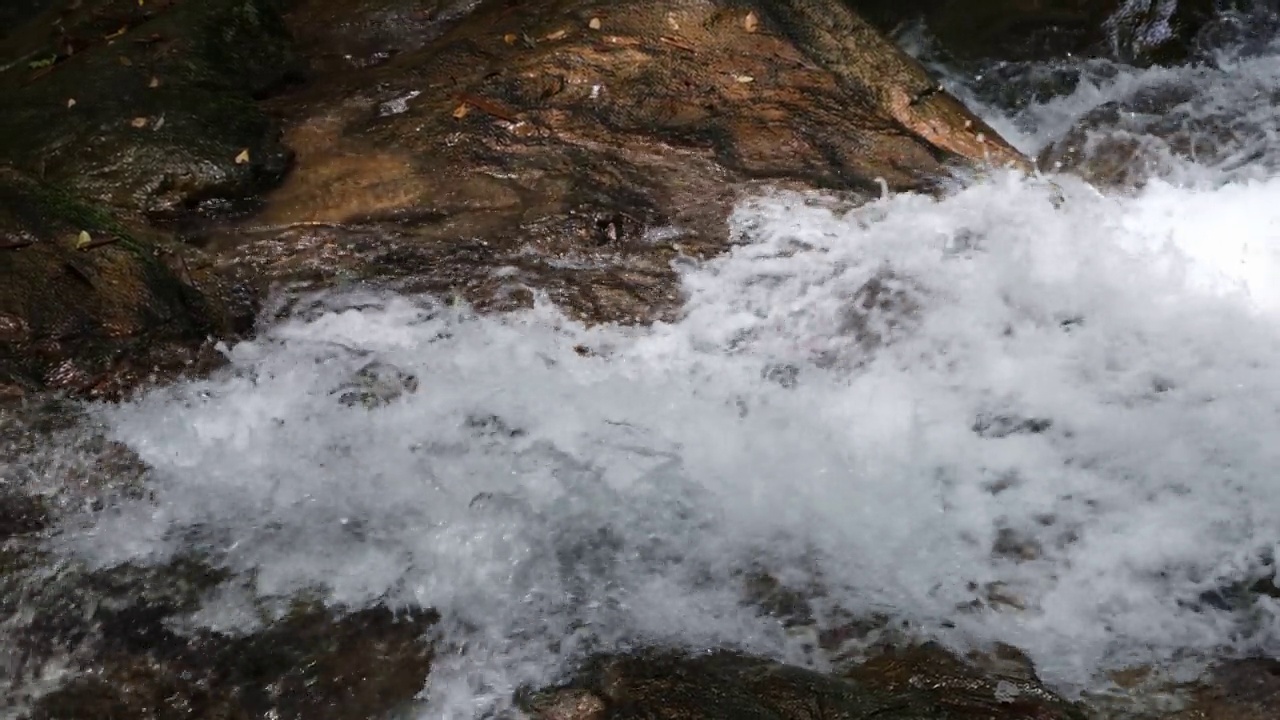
<point>1026,388</point>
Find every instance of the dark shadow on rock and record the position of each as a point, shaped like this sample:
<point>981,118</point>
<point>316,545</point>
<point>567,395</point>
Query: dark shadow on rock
<point>148,107</point>
<point>128,660</point>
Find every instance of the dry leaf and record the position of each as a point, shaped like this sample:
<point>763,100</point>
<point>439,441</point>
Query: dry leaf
<point>751,22</point>
<point>83,240</point>
<point>123,29</point>
<point>154,82</point>
<point>139,122</point>
<point>243,157</point>
<point>744,78</point>
<point>557,35</point>
<point>461,111</point>
<point>125,61</point>
<point>671,22</point>
<point>510,38</point>
<point>594,24</point>
<point>71,102</point>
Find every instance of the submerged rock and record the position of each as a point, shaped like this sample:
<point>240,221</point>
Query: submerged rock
<point>577,148</point>
<point>924,683</point>
<point>1246,689</point>
<point>1168,130</point>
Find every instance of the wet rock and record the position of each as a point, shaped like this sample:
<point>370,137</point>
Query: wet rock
<point>20,515</point>
<point>1001,685</point>
<point>147,107</point>
<point>1246,689</point>
<point>1162,130</point>
<point>336,35</point>
<point>1015,85</point>
<point>919,684</point>
<point>88,304</point>
<point>116,632</point>
<point>1134,31</point>
<point>375,385</point>
<point>883,309</point>
<point>577,148</point>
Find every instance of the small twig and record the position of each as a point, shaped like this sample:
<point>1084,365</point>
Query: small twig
<point>678,44</point>
<point>491,107</point>
<point>99,243</point>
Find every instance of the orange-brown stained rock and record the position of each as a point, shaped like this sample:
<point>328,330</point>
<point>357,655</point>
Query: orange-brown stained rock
<point>520,136</point>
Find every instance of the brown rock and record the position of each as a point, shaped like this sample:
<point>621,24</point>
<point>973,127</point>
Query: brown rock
<point>311,665</point>
<point>584,161</point>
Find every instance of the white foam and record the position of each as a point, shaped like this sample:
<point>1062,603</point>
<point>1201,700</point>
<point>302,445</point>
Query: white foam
<point>550,503</point>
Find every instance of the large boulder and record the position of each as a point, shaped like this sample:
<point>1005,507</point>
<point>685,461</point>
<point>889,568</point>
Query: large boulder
<point>579,147</point>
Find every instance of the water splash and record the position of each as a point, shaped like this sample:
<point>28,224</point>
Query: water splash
<point>1025,412</point>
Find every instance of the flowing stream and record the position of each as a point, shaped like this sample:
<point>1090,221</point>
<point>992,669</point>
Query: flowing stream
<point>1029,411</point>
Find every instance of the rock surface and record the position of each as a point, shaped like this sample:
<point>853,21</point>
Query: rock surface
<point>1141,32</point>
<point>147,107</point>
<point>923,683</point>
<point>578,148</point>
<point>88,303</point>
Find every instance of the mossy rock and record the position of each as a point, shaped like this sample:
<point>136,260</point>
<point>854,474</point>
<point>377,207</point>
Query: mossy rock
<point>149,107</point>
<point>82,294</point>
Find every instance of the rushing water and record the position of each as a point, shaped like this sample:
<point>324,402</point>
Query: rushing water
<point>1059,403</point>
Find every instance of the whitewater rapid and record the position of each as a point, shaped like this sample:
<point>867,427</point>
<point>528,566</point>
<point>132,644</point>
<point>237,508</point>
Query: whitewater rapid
<point>872,405</point>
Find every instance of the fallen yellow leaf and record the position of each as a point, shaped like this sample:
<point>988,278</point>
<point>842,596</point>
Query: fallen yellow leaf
<point>123,29</point>
<point>83,239</point>
<point>594,24</point>
<point>510,38</point>
<point>125,61</point>
<point>71,102</point>
<point>461,111</point>
<point>154,82</point>
<point>751,22</point>
<point>243,157</point>
<point>671,21</point>
<point>139,122</point>
<point>744,78</point>
<point>557,35</point>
